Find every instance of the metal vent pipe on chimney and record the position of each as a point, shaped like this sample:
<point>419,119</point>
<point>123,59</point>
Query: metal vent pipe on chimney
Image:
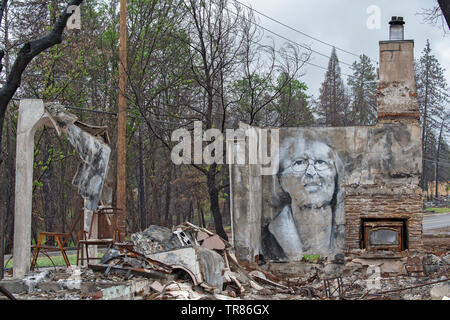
<point>396,30</point>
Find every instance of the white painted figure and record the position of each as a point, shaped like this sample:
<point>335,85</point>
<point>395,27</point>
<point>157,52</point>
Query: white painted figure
<point>310,219</point>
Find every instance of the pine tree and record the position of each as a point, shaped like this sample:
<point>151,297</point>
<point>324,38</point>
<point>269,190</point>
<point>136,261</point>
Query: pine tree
<point>440,142</point>
<point>333,100</point>
<point>432,96</point>
<point>363,88</point>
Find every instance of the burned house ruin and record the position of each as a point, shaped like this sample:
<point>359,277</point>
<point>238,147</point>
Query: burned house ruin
<point>339,190</point>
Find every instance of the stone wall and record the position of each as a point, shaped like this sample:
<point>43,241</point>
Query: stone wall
<point>393,204</point>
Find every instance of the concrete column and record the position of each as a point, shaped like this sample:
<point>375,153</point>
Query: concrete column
<point>254,209</point>
<point>246,197</point>
<point>32,115</point>
<point>88,216</point>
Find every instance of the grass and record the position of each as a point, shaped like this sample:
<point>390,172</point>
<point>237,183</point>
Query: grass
<point>311,257</point>
<point>57,260</point>
<point>438,210</point>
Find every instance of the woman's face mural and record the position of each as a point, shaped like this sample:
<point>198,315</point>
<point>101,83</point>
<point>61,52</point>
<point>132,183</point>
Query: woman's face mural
<point>308,173</point>
<point>307,203</point>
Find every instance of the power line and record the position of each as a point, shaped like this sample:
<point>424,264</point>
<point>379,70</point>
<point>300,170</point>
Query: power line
<point>440,162</point>
<point>283,53</point>
<point>439,158</point>
<point>110,113</point>
<point>298,31</point>
<point>444,165</point>
<point>283,37</point>
<point>296,43</point>
<point>307,62</point>
<point>115,114</point>
<point>288,55</point>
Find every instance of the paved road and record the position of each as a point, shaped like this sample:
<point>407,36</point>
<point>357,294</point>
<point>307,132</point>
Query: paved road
<point>436,221</point>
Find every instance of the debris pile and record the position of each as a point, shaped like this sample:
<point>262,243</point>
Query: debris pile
<point>201,265</point>
<point>440,202</point>
<point>188,250</point>
<point>194,263</point>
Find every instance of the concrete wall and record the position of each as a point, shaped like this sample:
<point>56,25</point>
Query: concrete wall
<point>366,172</point>
<point>330,179</point>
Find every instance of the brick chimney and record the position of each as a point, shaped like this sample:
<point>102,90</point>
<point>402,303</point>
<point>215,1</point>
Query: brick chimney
<point>396,96</point>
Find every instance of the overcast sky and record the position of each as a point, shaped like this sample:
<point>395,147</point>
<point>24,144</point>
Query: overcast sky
<point>343,23</point>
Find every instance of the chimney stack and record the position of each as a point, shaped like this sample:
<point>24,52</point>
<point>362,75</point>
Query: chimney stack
<point>396,96</point>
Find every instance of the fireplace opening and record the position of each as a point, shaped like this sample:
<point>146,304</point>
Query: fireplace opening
<point>384,234</point>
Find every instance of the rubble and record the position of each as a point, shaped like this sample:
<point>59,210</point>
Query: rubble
<point>202,265</point>
<point>34,279</point>
<point>73,282</point>
<point>446,259</point>
<point>375,276</point>
<point>438,292</point>
<point>439,202</point>
<point>189,262</point>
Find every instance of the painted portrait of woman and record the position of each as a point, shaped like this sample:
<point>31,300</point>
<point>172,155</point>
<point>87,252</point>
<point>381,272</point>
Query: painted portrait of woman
<point>308,202</point>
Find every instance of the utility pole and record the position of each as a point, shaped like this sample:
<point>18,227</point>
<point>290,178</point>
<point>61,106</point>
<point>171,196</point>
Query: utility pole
<point>121,122</point>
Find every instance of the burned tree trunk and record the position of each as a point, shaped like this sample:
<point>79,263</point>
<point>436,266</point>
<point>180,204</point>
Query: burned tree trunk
<point>168,196</point>
<point>213,192</point>
<point>142,208</point>
<point>436,172</point>
<point>191,212</point>
<point>445,8</point>
<point>201,216</point>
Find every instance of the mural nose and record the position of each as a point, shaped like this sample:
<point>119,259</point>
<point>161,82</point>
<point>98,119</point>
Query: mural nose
<point>311,171</point>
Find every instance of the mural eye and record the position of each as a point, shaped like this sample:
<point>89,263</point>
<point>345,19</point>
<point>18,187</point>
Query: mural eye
<point>320,165</point>
<point>300,165</point>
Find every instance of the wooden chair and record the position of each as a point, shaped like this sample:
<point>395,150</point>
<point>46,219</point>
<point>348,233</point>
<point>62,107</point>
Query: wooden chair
<point>85,238</point>
<point>61,241</point>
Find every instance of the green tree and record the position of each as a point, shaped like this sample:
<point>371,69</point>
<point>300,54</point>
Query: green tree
<point>363,88</point>
<point>292,105</point>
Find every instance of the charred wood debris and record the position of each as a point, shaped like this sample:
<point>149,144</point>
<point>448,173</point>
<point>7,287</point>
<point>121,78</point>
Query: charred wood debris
<point>190,262</point>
